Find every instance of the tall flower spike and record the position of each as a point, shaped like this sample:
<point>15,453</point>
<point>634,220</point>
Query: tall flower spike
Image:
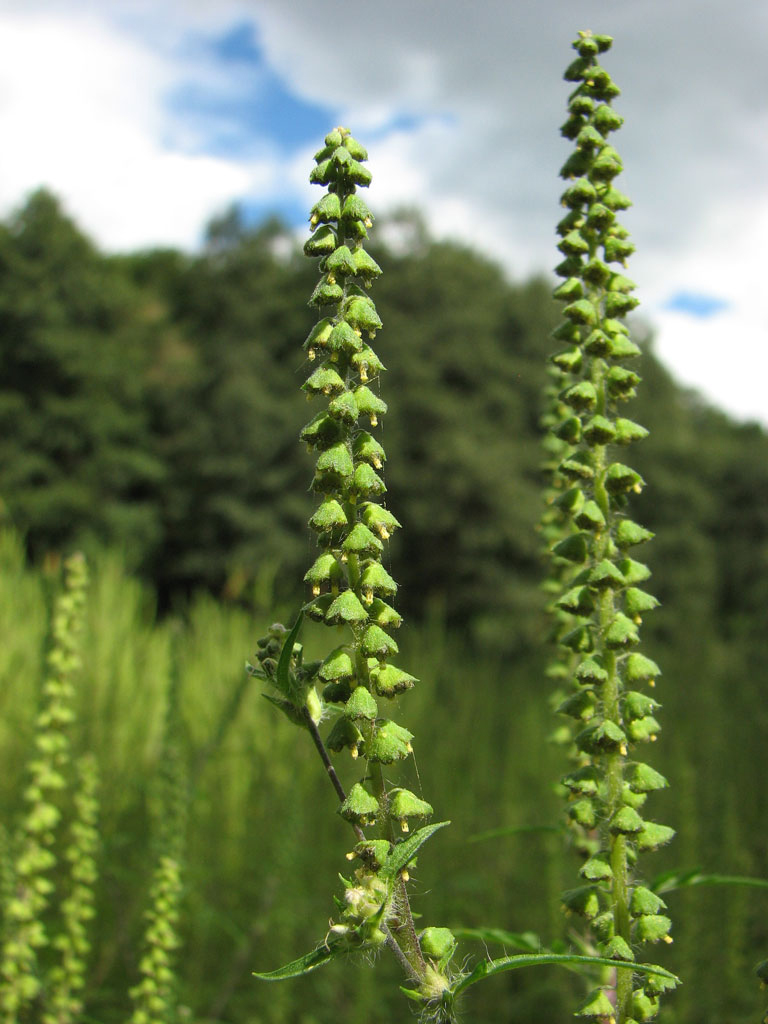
<point>609,679</point>
<point>349,587</point>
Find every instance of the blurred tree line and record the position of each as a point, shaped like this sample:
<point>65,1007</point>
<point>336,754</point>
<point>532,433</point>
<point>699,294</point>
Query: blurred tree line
<point>151,402</point>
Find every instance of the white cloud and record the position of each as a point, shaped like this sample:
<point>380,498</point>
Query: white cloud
<point>83,86</point>
<point>81,112</point>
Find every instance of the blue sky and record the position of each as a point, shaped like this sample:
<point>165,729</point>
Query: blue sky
<point>149,119</point>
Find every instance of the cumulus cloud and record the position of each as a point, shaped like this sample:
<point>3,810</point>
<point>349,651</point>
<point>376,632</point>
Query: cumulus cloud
<point>458,109</point>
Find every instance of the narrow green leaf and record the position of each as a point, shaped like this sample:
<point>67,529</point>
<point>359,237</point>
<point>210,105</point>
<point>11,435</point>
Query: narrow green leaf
<point>309,962</point>
<point>528,941</point>
<point>511,830</point>
<point>283,675</point>
<point>404,853</point>
<point>510,963</point>
<point>673,880</point>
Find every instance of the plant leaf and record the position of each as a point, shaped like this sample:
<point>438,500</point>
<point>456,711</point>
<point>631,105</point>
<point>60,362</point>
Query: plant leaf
<point>403,853</point>
<point>283,674</point>
<point>309,962</point>
<point>511,830</point>
<point>528,941</point>
<point>670,881</point>
<point>510,963</point>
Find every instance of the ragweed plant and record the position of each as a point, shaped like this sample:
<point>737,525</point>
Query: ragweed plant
<point>351,591</point>
<point>30,888</point>
<point>611,699</point>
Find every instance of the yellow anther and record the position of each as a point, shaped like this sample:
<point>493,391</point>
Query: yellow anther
<point>315,590</point>
<point>311,354</point>
<point>376,462</point>
<point>364,373</point>
<point>623,749</point>
<point>374,420</point>
<point>355,753</point>
<point>384,533</point>
<point>404,825</point>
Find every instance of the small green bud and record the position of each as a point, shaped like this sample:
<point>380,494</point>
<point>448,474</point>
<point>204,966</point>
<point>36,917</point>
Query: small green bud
<point>376,580</point>
<point>626,821</point>
<point>338,665</point>
<point>644,779</point>
<point>344,734</point>
<point>359,807</point>
<point>619,479</point>
<point>389,681</point>
<point>596,869</point>
<point>325,569</point>
<point>355,208</point>
<point>583,813</point>
<point>368,448</point>
<point>638,602</point>
<point>569,360</point>
<point>360,312</point>
<point>597,1005</point>
<point>574,244</point>
<point>584,901</point>
<point>380,520</point>
<point>582,312</point>
<point>322,243</point>
<point>656,984</point>
<point>334,466</point>
<point>644,729</point>
<point>603,926</point>
<point>600,217</point>
<point>584,780</point>
<point>599,430</point>
<point>591,673</point>
<point>344,338</point>
<point>605,575</point>
<point>653,836</point>
<point>344,408</point>
<point>629,534</point>
<point>365,266</point>
<point>579,705</point>
<point>326,209</point>
<point>437,943</point>
<point>607,737</point>
<point>645,901</point>
<point>569,290</point>
<point>391,742</point>
<point>341,263</point>
<point>621,633</point>
<point>638,705</point>
<point>577,601</point>
<point>322,432</point>
<point>328,516</point>
<point>618,949</point>
<point>324,381</point>
<point>627,431</point>
<point>640,669</point>
<point>346,609</point>
<point>367,482</point>
<point>372,852</point>
<point>634,572</point>
<point>569,430</point>
<point>590,517</point>
<point>383,614</point>
<point>581,396</point>
<point>327,293</point>
<point>361,705</point>
<point>377,644</point>
<point>403,804</point>
<point>367,363</point>
<point>361,541</point>
<point>652,928</point>
<point>617,249</point>
<point>606,119</point>
<point>369,404</point>
<point>579,639</point>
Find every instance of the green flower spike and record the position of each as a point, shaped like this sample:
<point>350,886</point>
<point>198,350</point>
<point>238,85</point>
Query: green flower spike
<point>349,587</point>
<point>597,604</point>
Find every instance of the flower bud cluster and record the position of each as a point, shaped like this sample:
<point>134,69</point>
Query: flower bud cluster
<point>25,933</point>
<point>602,599</point>
<point>348,582</point>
